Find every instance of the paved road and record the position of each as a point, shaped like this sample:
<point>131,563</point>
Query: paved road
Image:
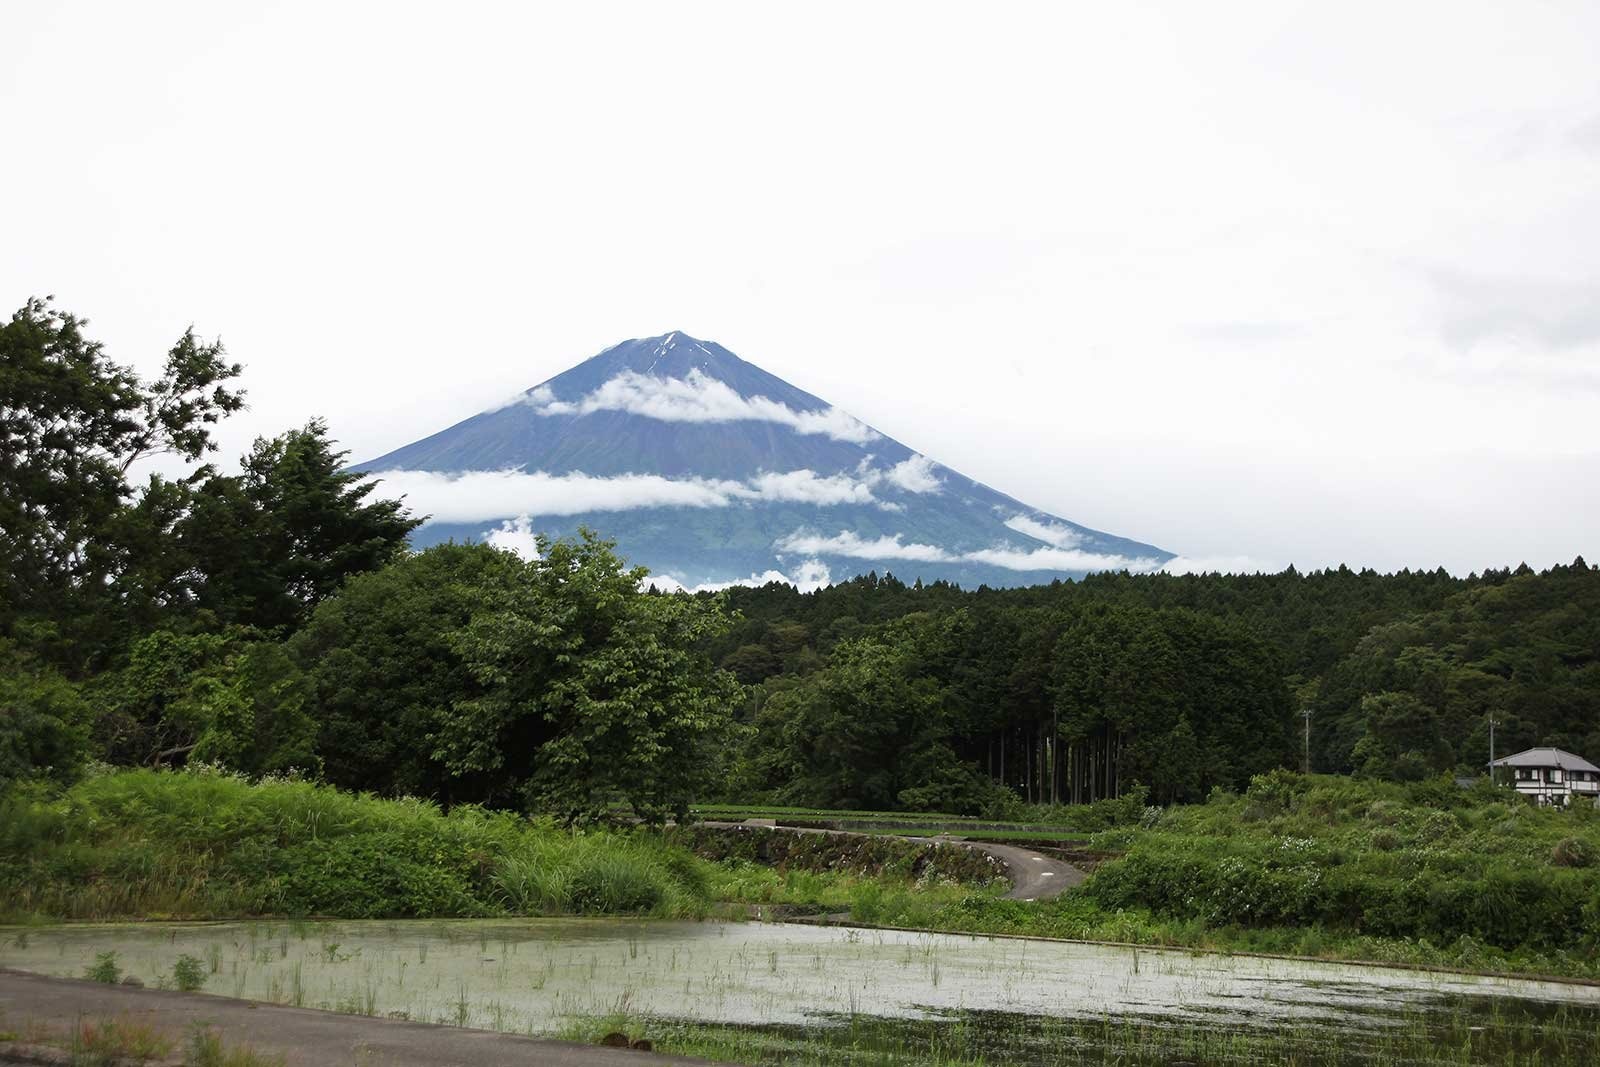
<point>304,1037</point>
<point>1034,876</point>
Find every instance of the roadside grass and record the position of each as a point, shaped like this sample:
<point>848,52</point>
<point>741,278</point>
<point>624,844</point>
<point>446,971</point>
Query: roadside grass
<point>121,1040</point>
<point>204,1047</point>
<point>116,1041</point>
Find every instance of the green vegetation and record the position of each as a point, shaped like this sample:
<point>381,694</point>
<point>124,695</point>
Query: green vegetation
<point>1426,874</point>
<point>188,974</point>
<point>205,1048</point>
<point>117,1041</point>
<point>105,969</point>
<point>874,693</point>
<point>469,674</point>
<point>204,844</point>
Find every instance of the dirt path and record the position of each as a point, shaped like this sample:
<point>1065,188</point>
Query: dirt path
<point>1034,876</point>
<point>304,1037</point>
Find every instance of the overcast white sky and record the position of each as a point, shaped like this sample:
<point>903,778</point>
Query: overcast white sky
<point>1309,283</point>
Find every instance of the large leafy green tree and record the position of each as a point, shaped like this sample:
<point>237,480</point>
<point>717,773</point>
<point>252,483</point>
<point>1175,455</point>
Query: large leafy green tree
<point>72,424</point>
<point>468,674</point>
<point>385,669</point>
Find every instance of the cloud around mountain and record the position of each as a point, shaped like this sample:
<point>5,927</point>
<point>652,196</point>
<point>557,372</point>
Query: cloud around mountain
<point>478,496</point>
<point>892,547</point>
<point>697,397</point>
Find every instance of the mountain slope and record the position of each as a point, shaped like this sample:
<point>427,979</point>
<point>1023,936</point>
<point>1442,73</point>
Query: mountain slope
<point>707,469</point>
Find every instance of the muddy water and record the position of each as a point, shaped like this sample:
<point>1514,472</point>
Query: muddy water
<point>531,975</point>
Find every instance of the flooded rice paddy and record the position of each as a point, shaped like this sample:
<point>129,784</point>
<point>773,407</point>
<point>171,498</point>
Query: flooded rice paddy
<point>538,976</point>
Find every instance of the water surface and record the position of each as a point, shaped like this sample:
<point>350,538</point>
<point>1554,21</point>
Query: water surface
<point>530,974</point>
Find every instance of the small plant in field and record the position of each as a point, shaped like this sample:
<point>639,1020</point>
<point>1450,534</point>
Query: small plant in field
<point>188,974</point>
<point>105,969</point>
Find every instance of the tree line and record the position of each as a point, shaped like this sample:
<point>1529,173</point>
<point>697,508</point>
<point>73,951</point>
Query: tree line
<point>1070,691</point>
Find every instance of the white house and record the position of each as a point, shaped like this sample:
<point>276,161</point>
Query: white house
<point>1549,775</point>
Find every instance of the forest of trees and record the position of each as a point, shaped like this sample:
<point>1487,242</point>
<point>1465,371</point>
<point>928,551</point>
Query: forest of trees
<point>1064,692</point>
<point>274,619</point>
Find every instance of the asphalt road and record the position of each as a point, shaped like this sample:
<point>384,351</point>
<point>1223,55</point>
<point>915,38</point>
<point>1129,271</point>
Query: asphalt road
<point>1034,876</point>
<point>304,1037</point>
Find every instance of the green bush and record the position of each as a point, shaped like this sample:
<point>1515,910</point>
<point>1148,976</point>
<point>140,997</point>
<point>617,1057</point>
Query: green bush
<point>379,875</point>
<point>105,969</point>
<point>188,974</point>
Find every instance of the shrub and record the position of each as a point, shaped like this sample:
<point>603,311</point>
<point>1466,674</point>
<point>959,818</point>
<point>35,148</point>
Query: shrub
<point>105,969</point>
<point>380,875</point>
<point>188,974</point>
<point>1276,790</point>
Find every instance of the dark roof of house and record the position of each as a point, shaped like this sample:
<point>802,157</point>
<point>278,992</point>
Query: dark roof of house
<point>1547,757</point>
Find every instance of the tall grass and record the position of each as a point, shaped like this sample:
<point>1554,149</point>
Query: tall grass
<point>198,844</point>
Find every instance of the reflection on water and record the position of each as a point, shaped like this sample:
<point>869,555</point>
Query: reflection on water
<point>532,975</point>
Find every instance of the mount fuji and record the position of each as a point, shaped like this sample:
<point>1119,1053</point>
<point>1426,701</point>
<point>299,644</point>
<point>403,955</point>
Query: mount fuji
<point>710,471</point>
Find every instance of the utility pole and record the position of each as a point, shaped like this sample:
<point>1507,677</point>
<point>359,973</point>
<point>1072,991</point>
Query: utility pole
<point>1493,722</point>
<point>1305,713</point>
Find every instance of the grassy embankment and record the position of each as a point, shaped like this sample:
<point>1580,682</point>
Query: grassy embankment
<point>145,844</point>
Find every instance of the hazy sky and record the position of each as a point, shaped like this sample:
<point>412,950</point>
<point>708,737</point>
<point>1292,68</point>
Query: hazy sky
<point>1277,282</point>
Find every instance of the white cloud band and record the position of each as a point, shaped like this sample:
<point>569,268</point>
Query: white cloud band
<point>892,547</point>
<point>698,398</point>
<point>475,496</point>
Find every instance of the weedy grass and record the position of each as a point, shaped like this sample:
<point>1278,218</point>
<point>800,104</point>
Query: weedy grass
<point>151,844</point>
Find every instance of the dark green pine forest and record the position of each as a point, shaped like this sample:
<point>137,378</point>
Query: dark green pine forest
<point>275,621</point>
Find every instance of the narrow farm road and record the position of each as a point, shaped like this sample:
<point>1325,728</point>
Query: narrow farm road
<point>1034,876</point>
<point>304,1037</point>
